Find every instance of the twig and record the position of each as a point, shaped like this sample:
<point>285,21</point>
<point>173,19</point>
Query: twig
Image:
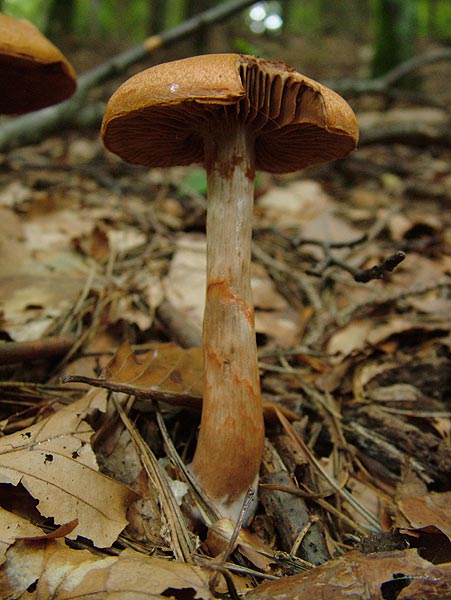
<point>300,278</point>
<point>345,315</point>
<point>180,537</point>
<point>297,241</point>
<point>156,394</point>
<point>292,518</point>
<point>385,83</point>
<point>373,522</point>
<point>248,501</point>
<point>206,510</point>
<point>361,275</point>
<point>220,561</point>
<point>377,271</point>
<point>375,446</point>
<point>47,348</point>
<point>324,504</point>
<point>414,133</point>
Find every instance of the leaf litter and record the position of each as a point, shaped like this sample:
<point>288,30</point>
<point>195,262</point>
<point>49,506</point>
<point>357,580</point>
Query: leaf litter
<point>355,379</point>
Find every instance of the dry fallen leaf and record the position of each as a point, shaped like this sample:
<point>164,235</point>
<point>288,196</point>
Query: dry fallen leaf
<point>366,577</point>
<point>362,332</point>
<point>422,509</point>
<point>185,291</point>
<point>168,374</point>
<point>367,496</point>
<point>54,461</point>
<point>13,527</point>
<point>350,338</point>
<point>294,204</point>
<point>61,573</point>
<point>167,369</point>
<point>31,301</point>
<point>13,253</point>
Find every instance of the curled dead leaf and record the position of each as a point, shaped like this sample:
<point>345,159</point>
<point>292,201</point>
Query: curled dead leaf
<point>422,509</point>
<point>56,571</point>
<point>54,461</point>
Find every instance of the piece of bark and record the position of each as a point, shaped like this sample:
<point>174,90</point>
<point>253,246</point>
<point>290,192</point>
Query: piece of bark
<point>425,452</point>
<point>292,516</point>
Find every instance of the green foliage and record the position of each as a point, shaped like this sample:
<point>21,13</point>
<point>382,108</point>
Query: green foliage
<point>112,18</point>
<point>124,19</point>
<point>302,16</point>
<point>243,46</point>
<point>195,181</point>
<point>34,10</point>
<point>439,18</point>
<point>175,13</point>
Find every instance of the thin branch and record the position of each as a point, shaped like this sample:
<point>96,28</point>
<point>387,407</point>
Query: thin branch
<point>373,522</point>
<point>299,277</point>
<point>187,400</point>
<point>182,543</point>
<point>46,348</point>
<point>383,84</point>
<point>377,271</point>
<point>413,133</point>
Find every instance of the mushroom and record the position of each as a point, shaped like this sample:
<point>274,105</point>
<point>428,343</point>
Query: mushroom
<point>33,72</point>
<point>235,114</point>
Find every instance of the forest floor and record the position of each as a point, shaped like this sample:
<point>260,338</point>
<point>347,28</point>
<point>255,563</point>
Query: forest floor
<point>104,264</point>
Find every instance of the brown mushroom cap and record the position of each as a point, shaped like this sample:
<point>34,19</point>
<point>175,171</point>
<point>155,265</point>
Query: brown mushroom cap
<point>159,117</point>
<point>33,72</point>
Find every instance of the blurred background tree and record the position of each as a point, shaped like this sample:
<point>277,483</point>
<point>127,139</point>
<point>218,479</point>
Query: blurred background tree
<point>395,33</point>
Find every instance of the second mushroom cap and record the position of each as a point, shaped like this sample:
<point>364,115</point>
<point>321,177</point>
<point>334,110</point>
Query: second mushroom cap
<point>34,74</point>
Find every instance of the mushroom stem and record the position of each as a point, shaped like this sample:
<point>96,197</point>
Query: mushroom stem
<point>230,444</point>
<point>236,113</point>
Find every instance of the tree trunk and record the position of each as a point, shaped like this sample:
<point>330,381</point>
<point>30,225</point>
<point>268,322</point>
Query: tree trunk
<point>200,40</point>
<point>61,19</point>
<point>395,25</point>
<point>157,17</point>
